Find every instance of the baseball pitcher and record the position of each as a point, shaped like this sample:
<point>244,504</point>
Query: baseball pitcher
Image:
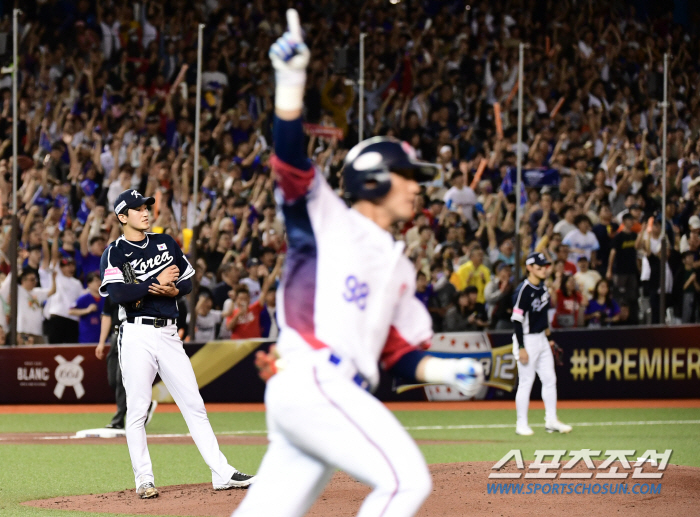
<point>144,273</point>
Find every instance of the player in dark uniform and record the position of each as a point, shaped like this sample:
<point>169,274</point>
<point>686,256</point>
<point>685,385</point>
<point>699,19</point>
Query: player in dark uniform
<point>532,347</point>
<point>148,342</point>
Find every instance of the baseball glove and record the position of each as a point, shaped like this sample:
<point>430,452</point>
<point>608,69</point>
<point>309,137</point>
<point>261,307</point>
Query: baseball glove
<point>558,353</point>
<point>130,278</point>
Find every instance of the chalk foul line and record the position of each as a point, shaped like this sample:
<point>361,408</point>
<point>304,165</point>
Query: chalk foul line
<point>414,428</point>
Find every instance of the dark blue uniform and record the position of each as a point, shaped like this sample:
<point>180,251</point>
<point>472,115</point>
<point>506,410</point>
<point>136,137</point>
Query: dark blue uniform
<point>530,306</point>
<point>148,258</point>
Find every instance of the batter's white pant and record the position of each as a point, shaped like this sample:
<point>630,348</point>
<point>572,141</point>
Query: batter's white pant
<point>540,362</point>
<point>144,351</point>
<point>319,420</point>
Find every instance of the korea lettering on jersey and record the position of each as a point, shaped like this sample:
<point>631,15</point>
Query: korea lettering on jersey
<point>148,259</point>
<point>341,263</point>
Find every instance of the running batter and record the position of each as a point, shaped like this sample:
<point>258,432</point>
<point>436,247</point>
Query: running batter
<point>532,347</point>
<point>346,303</point>
<point>148,342</point>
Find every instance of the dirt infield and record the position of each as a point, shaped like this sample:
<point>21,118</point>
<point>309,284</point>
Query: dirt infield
<point>475,405</point>
<point>458,489</point>
<point>179,439</point>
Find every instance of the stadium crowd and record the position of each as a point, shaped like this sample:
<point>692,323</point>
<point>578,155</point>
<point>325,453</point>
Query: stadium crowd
<point>107,103</point>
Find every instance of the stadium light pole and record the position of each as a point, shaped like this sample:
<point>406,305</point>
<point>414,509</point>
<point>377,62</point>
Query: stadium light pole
<point>195,184</point>
<point>14,244</point>
<point>361,84</point>
<point>519,155</point>
<point>662,286</point>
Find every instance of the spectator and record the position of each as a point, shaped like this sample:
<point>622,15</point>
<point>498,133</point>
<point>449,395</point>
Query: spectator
<point>602,310</point>
<point>586,278</point>
<point>228,273</point>
<point>686,282</point>
<point>244,322</point>
<point>424,290</point>
<point>33,263</point>
<point>604,231</point>
<point>424,247</point>
<point>544,216</point>
<point>568,303</point>
<point>499,296</point>
<point>566,225</point>
<point>473,274</point>
<point>582,241</point>
<point>563,254</point>
<point>461,199</point>
<point>693,235</point>
<point>208,319</point>
<point>622,265</point>
<point>650,244</point>
<point>63,325</point>
<point>30,316</point>
<point>443,297</point>
<point>91,251</point>
<point>88,308</point>
<point>268,316</point>
<point>467,314</point>
<point>256,271</point>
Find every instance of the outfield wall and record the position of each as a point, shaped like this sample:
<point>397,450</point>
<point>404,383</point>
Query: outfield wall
<point>633,362</point>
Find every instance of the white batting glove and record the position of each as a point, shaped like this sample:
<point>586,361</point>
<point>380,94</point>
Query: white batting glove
<point>467,375</point>
<point>290,57</point>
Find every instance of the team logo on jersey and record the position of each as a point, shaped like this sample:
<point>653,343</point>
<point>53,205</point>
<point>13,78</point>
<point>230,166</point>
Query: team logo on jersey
<point>146,268</point>
<point>539,303</point>
<point>162,247</point>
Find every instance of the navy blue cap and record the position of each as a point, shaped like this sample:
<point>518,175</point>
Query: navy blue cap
<point>131,199</point>
<point>537,259</point>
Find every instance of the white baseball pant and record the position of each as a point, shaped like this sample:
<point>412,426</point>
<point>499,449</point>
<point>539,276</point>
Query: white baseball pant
<point>540,362</point>
<point>318,420</point>
<point>145,350</point>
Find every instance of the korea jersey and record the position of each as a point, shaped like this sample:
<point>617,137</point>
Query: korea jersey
<point>148,258</point>
<point>530,306</point>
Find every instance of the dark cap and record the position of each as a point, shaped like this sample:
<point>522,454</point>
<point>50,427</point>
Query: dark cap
<point>66,261</point>
<point>131,199</point>
<point>537,259</point>
<point>502,265</point>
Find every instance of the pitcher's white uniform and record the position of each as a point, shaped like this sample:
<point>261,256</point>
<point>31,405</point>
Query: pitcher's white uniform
<point>346,303</point>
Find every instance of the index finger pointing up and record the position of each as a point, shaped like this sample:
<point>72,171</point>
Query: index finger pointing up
<point>293,25</point>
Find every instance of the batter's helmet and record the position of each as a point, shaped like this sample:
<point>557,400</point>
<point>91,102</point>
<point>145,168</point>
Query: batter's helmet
<point>368,164</point>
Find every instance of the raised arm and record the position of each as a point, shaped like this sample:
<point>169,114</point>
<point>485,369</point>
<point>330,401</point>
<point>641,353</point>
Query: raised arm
<point>291,164</point>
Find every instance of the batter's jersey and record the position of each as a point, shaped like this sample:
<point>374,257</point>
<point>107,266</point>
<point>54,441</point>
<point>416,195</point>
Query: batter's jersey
<point>346,285</point>
<point>148,258</point>
<point>530,306</point>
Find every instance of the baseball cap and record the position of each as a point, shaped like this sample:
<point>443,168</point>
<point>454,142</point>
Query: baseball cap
<point>537,259</point>
<point>65,261</point>
<point>131,199</point>
<point>694,222</point>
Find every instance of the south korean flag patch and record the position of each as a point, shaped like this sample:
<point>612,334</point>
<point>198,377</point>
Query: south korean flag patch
<point>162,247</point>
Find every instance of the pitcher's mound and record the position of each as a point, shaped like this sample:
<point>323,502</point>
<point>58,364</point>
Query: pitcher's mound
<point>458,489</point>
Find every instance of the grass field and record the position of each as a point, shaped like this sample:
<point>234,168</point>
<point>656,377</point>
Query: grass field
<point>68,467</point>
